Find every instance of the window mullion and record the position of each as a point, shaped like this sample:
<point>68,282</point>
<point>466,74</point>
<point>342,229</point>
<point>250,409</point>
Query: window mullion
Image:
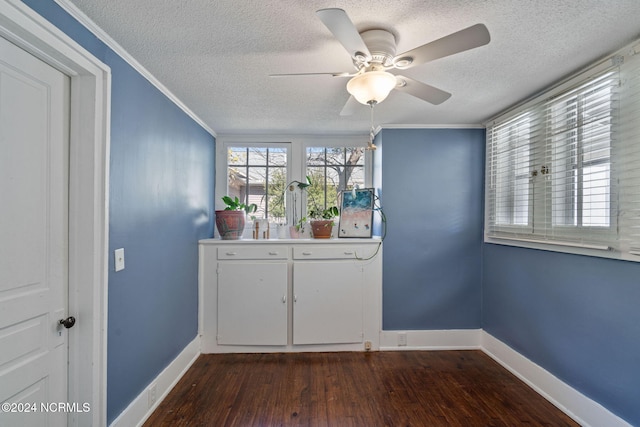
<point>579,165</point>
<point>266,184</point>
<point>541,204</point>
<point>246,177</point>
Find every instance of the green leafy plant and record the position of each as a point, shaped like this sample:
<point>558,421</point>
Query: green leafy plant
<point>301,185</point>
<point>300,223</point>
<point>322,221</point>
<point>328,213</point>
<point>235,205</point>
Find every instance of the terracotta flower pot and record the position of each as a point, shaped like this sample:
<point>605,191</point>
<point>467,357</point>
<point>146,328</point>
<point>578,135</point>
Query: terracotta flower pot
<point>230,224</point>
<point>322,228</point>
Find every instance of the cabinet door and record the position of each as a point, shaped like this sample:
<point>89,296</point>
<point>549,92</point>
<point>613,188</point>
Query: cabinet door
<point>327,306</point>
<point>252,303</point>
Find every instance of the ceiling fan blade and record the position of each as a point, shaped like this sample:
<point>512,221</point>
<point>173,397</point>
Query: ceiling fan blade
<point>469,38</point>
<point>350,107</point>
<point>337,21</point>
<point>313,74</point>
<point>428,93</point>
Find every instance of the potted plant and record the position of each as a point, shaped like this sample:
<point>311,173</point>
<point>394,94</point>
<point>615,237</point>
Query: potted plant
<point>322,221</point>
<point>230,221</point>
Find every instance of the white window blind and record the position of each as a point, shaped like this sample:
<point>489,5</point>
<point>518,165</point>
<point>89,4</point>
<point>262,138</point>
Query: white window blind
<point>628,161</point>
<point>564,169</point>
<point>508,165</point>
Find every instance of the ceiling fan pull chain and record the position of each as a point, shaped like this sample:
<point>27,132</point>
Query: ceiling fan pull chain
<point>371,145</point>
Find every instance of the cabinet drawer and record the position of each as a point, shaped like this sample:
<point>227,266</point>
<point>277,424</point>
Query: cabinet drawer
<point>331,252</point>
<point>253,252</point>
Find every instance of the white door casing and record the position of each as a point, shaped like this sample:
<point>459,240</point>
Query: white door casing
<point>88,198</point>
<point>34,113</point>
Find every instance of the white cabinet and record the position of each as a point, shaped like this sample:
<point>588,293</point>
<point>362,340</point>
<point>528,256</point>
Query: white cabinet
<point>290,295</point>
<point>327,302</point>
<point>252,303</point>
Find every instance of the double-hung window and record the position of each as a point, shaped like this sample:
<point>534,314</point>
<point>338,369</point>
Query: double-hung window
<point>560,168</point>
<point>580,139</point>
<point>550,168</point>
<point>257,170</point>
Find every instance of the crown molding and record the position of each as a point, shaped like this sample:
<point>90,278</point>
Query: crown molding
<point>343,138</point>
<point>422,126</point>
<point>84,20</point>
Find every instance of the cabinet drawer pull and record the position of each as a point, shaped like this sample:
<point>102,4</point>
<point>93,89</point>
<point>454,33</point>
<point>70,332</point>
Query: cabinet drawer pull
<point>273,253</point>
<point>307,253</point>
<point>232,253</point>
<point>348,252</point>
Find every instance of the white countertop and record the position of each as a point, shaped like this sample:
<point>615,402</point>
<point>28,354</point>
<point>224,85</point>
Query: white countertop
<point>342,240</point>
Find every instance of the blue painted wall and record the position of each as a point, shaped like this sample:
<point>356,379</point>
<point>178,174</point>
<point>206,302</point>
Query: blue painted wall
<point>431,184</point>
<point>161,199</point>
<point>161,196</point>
<point>576,316</point>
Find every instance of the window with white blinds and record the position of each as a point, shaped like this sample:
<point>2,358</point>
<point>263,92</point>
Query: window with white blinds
<point>563,170</point>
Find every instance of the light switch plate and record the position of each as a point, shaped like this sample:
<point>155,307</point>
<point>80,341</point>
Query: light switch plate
<point>119,259</point>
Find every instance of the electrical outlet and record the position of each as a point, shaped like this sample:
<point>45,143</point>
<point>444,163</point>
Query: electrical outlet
<point>367,345</point>
<point>402,339</point>
<point>151,395</point>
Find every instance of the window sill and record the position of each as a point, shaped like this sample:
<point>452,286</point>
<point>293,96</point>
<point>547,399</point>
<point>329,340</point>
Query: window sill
<point>601,251</point>
<point>555,243</point>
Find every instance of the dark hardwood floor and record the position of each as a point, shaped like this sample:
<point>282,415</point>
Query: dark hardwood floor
<point>410,388</point>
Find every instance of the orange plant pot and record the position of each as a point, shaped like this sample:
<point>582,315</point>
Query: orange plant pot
<point>321,228</point>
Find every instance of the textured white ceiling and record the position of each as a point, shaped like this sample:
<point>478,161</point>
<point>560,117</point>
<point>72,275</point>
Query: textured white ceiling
<point>216,55</point>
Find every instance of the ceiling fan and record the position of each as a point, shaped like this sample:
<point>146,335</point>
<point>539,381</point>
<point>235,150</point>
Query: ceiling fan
<point>373,53</point>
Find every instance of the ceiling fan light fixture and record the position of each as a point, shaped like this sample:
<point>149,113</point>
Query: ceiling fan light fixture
<point>371,86</point>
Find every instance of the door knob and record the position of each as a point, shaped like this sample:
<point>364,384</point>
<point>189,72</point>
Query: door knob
<point>68,322</point>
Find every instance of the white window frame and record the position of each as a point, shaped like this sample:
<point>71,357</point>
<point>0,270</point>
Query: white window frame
<point>582,138</point>
<point>623,240</point>
<point>218,202</point>
<point>296,157</point>
<point>512,226</point>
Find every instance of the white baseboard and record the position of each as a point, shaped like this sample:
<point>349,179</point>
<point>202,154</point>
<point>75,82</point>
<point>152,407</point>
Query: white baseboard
<point>140,409</point>
<point>582,409</point>
<point>454,339</point>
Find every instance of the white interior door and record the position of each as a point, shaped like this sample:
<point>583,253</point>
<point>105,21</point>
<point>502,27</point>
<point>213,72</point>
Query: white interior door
<point>34,117</point>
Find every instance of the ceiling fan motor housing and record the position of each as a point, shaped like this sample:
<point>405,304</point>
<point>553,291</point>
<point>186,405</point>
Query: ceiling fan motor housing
<point>382,46</point>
